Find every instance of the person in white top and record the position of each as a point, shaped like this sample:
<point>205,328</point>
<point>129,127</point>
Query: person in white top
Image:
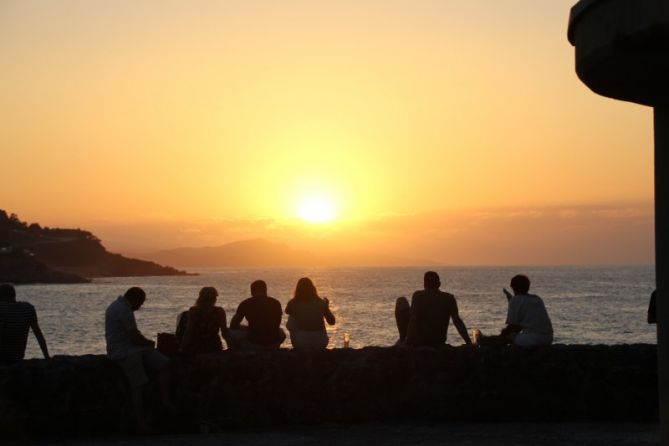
<point>133,352</point>
<point>527,321</point>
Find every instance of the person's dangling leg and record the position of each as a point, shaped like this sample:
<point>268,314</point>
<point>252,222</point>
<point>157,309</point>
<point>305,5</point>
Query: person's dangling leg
<point>133,368</point>
<point>402,316</point>
<point>159,363</point>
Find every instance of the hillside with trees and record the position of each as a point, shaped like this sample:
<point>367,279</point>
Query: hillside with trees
<point>30,253</point>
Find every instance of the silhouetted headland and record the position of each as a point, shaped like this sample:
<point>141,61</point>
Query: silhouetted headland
<point>30,253</point>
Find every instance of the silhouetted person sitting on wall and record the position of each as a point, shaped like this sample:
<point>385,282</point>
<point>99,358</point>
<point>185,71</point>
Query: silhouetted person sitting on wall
<point>527,321</point>
<point>652,309</point>
<point>263,314</point>
<point>425,321</point>
<point>205,323</point>
<point>306,314</point>
<point>16,318</point>
<point>133,352</point>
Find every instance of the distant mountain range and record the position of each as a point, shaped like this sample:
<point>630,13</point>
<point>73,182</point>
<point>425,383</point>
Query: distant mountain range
<point>257,252</point>
<point>264,253</point>
<point>30,253</point>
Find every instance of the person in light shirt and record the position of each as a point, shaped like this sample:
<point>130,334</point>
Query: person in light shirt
<point>527,321</point>
<point>527,316</point>
<point>134,353</point>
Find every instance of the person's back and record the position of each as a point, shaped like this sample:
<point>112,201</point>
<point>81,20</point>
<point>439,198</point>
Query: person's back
<point>119,323</point>
<point>205,326</point>
<point>205,323</point>
<point>16,318</point>
<point>425,322</point>
<point>263,314</point>
<point>529,311</point>
<point>308,314</point>
<point>431,311</point>
<point>15,321</point>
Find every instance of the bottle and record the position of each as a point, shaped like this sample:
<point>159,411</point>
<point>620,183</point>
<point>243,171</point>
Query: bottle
<point>476,336</point>
<point>347,340</point>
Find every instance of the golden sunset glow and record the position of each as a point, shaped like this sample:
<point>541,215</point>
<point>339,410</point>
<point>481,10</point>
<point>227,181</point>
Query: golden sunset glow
<point>129,118</point>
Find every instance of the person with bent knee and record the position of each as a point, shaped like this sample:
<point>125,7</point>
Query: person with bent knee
<point>425,322</point>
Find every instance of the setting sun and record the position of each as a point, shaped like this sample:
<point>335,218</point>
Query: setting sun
<point>316,209</point>
<point>330,126</point>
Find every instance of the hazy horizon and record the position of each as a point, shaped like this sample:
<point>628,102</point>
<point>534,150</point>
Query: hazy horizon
<point>557,235</point>
<point>456,132</point>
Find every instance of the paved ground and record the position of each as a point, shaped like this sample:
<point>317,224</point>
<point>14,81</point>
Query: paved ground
<point>408,434</point>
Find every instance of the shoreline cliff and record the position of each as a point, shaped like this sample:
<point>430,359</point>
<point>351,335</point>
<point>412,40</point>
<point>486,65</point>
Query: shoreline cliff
<point>30,253</point>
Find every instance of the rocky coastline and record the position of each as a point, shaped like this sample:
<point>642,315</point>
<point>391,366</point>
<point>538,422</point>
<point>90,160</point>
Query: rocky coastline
<point>87,395</point>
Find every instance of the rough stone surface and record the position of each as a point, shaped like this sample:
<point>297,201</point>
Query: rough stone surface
<point>87,395</point>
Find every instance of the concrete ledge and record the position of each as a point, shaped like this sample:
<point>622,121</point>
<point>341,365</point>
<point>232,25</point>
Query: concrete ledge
<point>87,395</point>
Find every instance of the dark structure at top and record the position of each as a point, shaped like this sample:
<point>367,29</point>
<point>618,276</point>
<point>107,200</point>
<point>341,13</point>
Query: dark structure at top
<point>622,48</point>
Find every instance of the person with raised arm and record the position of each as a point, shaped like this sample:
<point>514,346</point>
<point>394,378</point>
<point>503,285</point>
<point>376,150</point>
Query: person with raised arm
<point>527,320</point>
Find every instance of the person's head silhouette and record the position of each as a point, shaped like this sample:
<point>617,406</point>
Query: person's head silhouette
<point>305,289</point>
<point>7,293</point>
<point>135,297</point>
<point>431,280</point>
<point>207,297</point>
<point>259,288</point>
<point>520,284</point>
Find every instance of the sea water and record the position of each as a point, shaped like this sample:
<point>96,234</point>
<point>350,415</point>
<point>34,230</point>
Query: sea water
<point>588,305</point>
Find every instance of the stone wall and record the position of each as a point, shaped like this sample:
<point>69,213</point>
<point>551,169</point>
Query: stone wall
<point>87,395</point>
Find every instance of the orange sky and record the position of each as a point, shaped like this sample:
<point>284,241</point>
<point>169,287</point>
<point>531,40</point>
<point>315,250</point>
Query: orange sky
<point>182,117</point>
